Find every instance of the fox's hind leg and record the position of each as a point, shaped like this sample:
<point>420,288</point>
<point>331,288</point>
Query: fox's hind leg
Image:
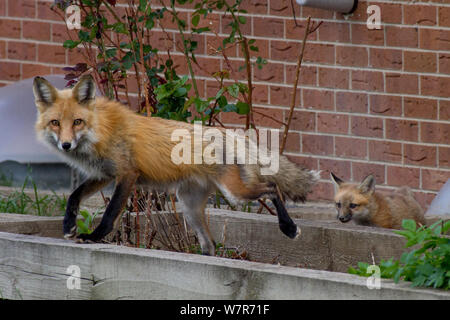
<point>193,198</point>
<point>287,226</point>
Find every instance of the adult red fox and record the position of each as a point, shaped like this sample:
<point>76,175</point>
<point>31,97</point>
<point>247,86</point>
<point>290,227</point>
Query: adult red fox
<point>109,142</point>
<point>365,206</point>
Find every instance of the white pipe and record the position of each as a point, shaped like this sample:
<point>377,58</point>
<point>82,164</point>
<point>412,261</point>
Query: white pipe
<point>343,6</point>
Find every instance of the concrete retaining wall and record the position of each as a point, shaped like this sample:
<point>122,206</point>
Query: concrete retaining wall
<point>35,268</point>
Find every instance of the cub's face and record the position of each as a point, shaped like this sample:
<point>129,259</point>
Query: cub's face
<point>351,200</point>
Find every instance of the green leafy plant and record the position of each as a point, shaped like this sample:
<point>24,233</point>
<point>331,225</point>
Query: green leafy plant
<point>426,266</point>
<point>86,224</point>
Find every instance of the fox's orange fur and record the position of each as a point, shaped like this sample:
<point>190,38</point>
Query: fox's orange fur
<point>362,204</point>
<point>109,142</point>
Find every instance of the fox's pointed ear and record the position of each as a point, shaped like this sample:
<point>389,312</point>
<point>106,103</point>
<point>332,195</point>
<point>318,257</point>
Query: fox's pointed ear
<point>367,185</point>
<point>335,179</point>
<point>84,90</point>
<point>44,92</point>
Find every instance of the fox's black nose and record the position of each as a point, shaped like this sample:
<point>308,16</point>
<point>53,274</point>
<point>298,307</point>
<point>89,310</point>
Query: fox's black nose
<point>66,145</point>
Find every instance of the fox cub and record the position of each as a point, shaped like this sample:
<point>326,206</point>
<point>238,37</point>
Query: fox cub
<point>109,142</point>
<point>369,208</point>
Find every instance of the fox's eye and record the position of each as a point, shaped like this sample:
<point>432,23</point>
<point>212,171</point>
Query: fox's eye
<point>55,123</point>
<point>77,122</point>
<point>353,205</point>
<point>338,204</point>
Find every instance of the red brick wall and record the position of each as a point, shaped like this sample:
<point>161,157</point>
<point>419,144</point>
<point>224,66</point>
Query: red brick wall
<point>370,101</point>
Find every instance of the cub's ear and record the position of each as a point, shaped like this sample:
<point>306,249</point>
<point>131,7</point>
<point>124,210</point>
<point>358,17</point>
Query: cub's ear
<point>84,90</point>
<point>367,185</point>
<point>44,92</point>
<point>336,181</point>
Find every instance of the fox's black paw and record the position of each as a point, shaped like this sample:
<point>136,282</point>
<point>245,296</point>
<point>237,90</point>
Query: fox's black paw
<point>290,229</point>
<point>88,238</point>
<point>71,233</point>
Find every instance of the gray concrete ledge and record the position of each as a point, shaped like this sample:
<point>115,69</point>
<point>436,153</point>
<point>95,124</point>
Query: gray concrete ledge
<point>35,268</point>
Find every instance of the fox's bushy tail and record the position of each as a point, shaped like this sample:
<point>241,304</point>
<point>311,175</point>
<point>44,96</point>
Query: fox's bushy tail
<point>293,181</point>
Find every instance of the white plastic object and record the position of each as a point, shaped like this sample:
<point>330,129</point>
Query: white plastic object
<point>440,205</point>
<point>343,6</point>
<point>17,119</point>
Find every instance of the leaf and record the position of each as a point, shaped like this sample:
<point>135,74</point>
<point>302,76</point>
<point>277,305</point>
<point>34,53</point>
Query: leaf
<point>242,20</point>
<point>242,108</point>
<point>233,90</point>
<point>70,44</point>
<point>195,20</point>
<point>409,224</point>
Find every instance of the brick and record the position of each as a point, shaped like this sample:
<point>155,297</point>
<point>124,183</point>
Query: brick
<point>334,78</point>
<point>332,123</point>
<point>363,169</point>
<point>282,8</point>
<point>340,168</point>
<point>255,6</point>
<point>318,99</point>
<point>386,58</point>
<point>402,83</point>
<point>444,157</point>
<point>432,39</point>
<point>167,23</point>
<point>246,28</point>
<point>284,50</point>
<point>362,35</point>
<point>420,155</point>
<point>403,176</point>
<point>434,179</point>
<point>319,53</point>
<point>367,80</point>
<point>162,40</point>
<point>260,94</point>
<point>51,54</point>
<point>262,121</point>
<point>21,51</point>
<point>351,148</point>
<point>435,132</point>
<point>390,13</point>
<point>282,96</point>
<point>22,8</point>
<point>9,71</point>
<point>435,86</point>
<point>386,105</point>
<point>402,130</point>
<point>444,110</point>
<point>420,61</point>
<point>385,151</point>
<point>444,16</point>
<point>351,102</point>
<point>2,49</point>
<point>2,8</point>
<point>305,161</point>
<point>420,108</point>
<point>45,12</point>
<point>10,28</point>
<point>424,15</point>
<point>322,191</point>
<point>302,121</point>
<point>75,56</point>
<point>297,31</point>
<point>268,27</point>
<point>315,13</point>
<point>36,30</point>
<point>319,145</point>
<point>292,142</point>
<point>334,32</point>
<point>273,72</point>
<point>444,63</point>
<point>60,33</point>
<point>263,49</point>
<point>402,37</point>
<point>352,56</point>
<point>200,39</point>
<point>206,66</point>
<point>308,75</point>
<point>32,70</point>
<point>367,127</point>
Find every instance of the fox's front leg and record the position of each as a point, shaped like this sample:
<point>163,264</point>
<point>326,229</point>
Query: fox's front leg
<point>85,190</point>
<point>124,186</point>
